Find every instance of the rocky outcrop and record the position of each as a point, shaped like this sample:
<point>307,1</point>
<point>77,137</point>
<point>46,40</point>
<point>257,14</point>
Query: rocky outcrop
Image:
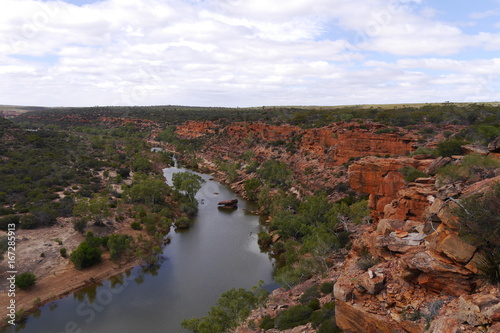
<point>228,204</point>
<point>380,178</point>
<point>355,318</point>
<point>423,276</point>
<point>195,129</point>
<point>334,144</point>
<point>475,149</point>
<point>494,146</point>
<point>318,156</point>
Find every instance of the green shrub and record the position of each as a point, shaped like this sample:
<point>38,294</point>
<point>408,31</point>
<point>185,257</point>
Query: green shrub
<point>87,253</point>
<point>276,172</point>
<point>292,317</point>
<point>189,208</point>
<point>386,130</point>
<point>326,288</point>
<point>317,318</point>
<point>136,225</point>
<point>479,217</point>
<point>251,187</point>
<point>4,245</point>
<point>80,225</point>
<point>119,245</point>
<point>6,210</point>
<point>366,262</point>
<point>329,326</point>
<point>252,167</point>
<point>279,248</point>
<point>291,275</point>
<point>182,223</point>
<point>267,323</point>
<point>63,252</point>
<point>28,221</point>
<point>489,266</point>
<point>310,294</point>
<point>343,238</point>
<point>25,280</point>
<point>8,219</point>
<point>410,173</point>
<point>232,307</point>
<point>264,239</point>
<point>426,151</point>
<point>450,147</point>
<point>314,304</point>
<point>474,167</point>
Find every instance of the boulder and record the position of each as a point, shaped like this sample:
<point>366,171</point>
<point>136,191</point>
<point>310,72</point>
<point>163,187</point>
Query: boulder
<point>445,325</point>
<point>448,218</point>
<point>425,180</point>
<point>470,312</point>
<point>475,262</point>
<point>372,282</point>
<point>494,146</point>
<point>343,291</point>
<point>475,149</point>
<point>424,157</point>
<point>455,248</point>
<point>399,244</point>
<point>495,328</point>
<point>410,202</point>
<point>355,318</point>
<point>430,212</point>
<point>228,203</point>
<point>437,164</point>
<point>275,237</point>
<point>418,226</point>
<point>439,275</point>
<point>386,226</point>
<point>450,190</point>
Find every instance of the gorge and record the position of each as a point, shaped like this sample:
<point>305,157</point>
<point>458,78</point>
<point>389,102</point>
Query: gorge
<point>406,266</point>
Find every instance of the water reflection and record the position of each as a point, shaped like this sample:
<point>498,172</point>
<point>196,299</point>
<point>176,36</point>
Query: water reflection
<point>217,253</point>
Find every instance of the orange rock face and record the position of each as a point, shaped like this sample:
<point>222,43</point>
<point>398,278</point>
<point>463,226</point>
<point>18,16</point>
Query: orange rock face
<point>334,144</point>
<point>379,177</point>
<point>195,129</point>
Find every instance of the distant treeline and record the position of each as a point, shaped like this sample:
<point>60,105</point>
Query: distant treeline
<point>404,115</point>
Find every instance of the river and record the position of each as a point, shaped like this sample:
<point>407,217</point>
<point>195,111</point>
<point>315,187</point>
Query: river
<point>217,253</point>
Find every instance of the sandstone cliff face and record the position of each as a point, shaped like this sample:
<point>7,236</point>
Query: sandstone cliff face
<point>380,178</point>
<point>424,275</point>
<point>195,129</point>
<point>317,156</point>
<point>335,144</point>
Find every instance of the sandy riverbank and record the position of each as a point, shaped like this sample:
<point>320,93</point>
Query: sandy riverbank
<point>38,251</point>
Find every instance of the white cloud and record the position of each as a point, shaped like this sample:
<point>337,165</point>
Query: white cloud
<point>234,52</point>
<point>485,14</point>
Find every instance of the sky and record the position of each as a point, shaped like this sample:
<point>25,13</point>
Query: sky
<point>241,53</point>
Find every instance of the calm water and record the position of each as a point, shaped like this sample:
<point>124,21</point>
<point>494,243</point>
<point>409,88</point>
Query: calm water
<point>219,252</point>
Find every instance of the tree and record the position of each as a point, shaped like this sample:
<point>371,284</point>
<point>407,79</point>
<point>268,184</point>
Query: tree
<point>140,163</point>
<point>450,147</point>
<point>119,244</point>
<point>96,207</point>
<point>251,187</point>
<point>25,280</point>
<point>275,172</point>
<point>187,182</point>
<point>315,209</point>
<point>87,253</point>
<point>148,189</point>
<point>232,307</point>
